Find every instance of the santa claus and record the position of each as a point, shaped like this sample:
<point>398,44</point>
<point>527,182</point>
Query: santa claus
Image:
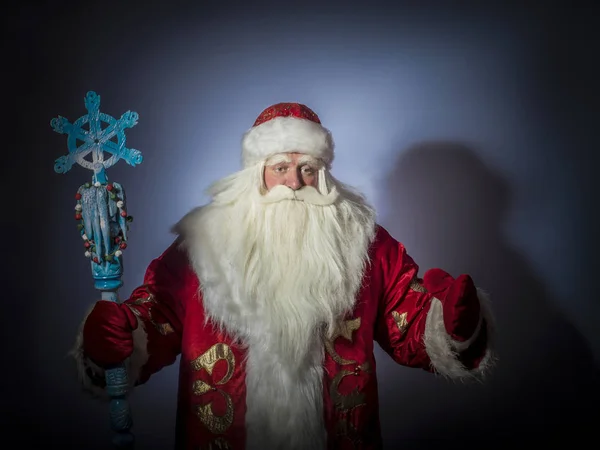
<point>274,294</point>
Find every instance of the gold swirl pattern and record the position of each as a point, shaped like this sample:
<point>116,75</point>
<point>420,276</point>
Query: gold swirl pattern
<point>206,361</point>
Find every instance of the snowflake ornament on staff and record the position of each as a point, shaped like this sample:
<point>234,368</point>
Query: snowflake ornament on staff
<point>103,222</point>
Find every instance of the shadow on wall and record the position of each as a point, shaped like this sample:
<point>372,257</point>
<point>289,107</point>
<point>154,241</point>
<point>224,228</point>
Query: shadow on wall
<point>448,209</point>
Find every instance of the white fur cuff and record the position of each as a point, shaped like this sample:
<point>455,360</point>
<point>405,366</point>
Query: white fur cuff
<point>87,370</point>
<point>286,134</point>
<point>443,350</point>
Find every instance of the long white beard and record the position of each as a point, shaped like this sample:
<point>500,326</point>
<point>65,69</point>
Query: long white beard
<point>278,271</point>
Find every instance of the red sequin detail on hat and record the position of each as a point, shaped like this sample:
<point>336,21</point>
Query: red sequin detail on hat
<point>287,110</point>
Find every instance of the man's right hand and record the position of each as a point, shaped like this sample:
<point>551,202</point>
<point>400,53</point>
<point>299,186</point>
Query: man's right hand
<point>108,333</point>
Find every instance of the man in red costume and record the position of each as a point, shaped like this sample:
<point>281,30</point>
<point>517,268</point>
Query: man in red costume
<point>274,294</point>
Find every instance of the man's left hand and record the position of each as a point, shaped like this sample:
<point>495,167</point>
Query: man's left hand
<point>459,299</point>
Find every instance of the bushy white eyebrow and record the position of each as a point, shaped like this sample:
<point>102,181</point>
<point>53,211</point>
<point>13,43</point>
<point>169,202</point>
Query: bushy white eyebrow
<point>277,159</point>
<point>286,158</point>
<point>306,159</point>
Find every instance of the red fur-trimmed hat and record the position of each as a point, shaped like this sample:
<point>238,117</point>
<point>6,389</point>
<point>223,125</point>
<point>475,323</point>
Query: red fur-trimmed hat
<point>284,128</point>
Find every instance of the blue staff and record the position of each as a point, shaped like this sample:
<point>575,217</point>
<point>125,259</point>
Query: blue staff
<point>103,222</point>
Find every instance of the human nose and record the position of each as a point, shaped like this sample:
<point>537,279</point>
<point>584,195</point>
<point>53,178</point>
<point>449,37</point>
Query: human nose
<point>293,181</point>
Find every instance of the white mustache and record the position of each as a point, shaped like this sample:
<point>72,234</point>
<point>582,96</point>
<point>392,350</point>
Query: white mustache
<point>307,194</point>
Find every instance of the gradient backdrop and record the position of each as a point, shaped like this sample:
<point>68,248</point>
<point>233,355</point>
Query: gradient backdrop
<point>473,130</point>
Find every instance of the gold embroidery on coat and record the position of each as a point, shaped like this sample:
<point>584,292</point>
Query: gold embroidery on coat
<point>163,328</point>
<point>219,444</point>
<point>416,285</point>
<point>355,398</point>
<point>401,320</point>
<point>345,429</point>
<point>206,361</point>
<point>200,387</point>
<point>345,404</point>
<point>345,330</point>
<point>213,355</point>
<point>216,424</point>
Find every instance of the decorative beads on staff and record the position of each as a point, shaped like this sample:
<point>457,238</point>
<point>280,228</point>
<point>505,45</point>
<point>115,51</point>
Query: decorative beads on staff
<point>117,214</point>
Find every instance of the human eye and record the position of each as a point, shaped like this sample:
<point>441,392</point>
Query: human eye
<point>279,169</point>
<point>308,170</point>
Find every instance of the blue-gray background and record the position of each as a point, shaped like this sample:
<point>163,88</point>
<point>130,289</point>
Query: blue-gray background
<point>472,129</point>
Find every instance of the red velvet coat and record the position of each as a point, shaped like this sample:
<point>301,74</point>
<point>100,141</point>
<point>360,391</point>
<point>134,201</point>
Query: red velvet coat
<point>392,309</point>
